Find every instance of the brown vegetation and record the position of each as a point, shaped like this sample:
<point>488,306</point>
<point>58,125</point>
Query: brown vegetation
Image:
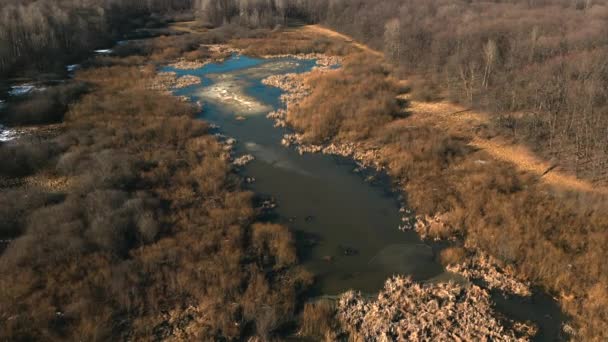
<point>452,255</point>
<point>371,102</point>
<point>551,237</point>
<point>319,320</point>
<point>150,239</point>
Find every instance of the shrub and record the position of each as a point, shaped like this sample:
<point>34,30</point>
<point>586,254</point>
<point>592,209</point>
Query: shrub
<point>319,319</point>
<point>274,244</point>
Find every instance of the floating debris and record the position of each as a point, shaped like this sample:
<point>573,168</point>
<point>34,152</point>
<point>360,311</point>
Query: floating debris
<point>484,267</point>
<point>243,160</point>
<point>269,204</point>
<point>405,310</point>
<point>348,251</point>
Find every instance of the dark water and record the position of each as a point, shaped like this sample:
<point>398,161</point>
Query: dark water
<point>345,227</point>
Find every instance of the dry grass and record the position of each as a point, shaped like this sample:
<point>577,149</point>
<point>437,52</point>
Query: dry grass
<point>290,41</point>
<point>319,320</point>
<point>319,30</point>
<point>346,104</point>
<point>149,238</point>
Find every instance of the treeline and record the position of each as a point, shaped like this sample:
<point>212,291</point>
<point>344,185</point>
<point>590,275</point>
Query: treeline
<point>46,34</point>
<point>256,13</point>
<point>541,66</point>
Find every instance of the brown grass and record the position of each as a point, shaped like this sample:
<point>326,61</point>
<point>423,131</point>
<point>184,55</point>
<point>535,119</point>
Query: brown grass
<point>319,320</point>
<point>347,104</point>
<point>290,42</point>
<point>452,255</point>
<point>150,237</point>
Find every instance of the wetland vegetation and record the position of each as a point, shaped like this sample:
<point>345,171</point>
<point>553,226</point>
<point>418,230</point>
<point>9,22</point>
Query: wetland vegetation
<point>123,218</point>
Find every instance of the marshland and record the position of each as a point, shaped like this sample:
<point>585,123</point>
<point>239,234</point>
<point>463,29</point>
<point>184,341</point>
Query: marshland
<point>259,171</point>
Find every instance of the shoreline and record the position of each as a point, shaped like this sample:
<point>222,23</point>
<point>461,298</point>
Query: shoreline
<point>368,157</point>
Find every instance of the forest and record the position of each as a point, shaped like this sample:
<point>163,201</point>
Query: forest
<point>45,35</point>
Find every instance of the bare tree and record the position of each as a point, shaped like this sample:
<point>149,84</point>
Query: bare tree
<point>392,38</point>
<point>489,54</point>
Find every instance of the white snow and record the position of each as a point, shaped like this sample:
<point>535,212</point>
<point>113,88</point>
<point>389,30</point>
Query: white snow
<point>7,134</point>
<point>72,67</point>
<point>20,90</point>
<point>103,51</point>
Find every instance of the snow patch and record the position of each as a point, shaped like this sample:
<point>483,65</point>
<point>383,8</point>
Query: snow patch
<point>72,67</point>
<point>7,134</point>
<point>103,51</point>
<point>20,90</point>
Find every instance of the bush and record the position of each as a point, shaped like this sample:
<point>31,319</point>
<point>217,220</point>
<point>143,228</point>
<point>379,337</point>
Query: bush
<point>25,156</point>
<point>349,103</point>
<point>274,244</point>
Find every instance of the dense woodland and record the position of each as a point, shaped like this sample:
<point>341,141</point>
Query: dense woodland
<point>43,35</point>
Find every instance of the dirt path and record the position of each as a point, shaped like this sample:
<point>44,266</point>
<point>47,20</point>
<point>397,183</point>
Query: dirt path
<point>454,118</point>
<point>186,26</point>
<point>459,120</point>
<point>318,29</point>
